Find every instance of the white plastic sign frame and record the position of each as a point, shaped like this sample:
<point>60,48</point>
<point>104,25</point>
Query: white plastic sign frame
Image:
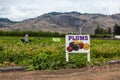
<point>77,44</point>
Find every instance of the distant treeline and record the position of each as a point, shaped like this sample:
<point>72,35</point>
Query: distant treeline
<point>31,33</point>
<point>102,36</point>
<point>115,31</point>
<point>46,34</point>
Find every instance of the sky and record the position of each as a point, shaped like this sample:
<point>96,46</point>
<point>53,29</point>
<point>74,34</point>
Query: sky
<point>18,10</point>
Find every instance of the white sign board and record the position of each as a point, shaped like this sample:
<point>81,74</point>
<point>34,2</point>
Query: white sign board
<point>77,44</point>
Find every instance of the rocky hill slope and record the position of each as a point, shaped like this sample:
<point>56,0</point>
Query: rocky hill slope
<point>68,22</point>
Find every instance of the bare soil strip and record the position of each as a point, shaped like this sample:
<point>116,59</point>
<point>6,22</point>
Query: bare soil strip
<point>111,72</point>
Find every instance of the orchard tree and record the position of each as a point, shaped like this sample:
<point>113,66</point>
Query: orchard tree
<point>116,29</point>
<point>100,31</point>
<point>109,30</point>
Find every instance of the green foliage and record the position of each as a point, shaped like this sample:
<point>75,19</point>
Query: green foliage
<point>28,63</point>
<point>104,50</point>
<point>109,30</point>
<point>40,61</point>
<point>11,57</point>
<point>101,36</point>
<point>31,33</point>
<point>117,29</point>
<point>78,60</point>
<point>42,53</point>
<point>49,61</point>
<point>100,31</point>
<point>57,61</point>
<point>1,48</point>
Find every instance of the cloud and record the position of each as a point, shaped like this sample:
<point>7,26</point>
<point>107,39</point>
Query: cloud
<point>23,9</point>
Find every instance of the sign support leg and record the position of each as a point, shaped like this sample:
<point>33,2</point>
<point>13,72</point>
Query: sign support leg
<point>67,57</point>
<point>88,57</point>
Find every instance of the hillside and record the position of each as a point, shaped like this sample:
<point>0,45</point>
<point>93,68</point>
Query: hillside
<point>68,22</point>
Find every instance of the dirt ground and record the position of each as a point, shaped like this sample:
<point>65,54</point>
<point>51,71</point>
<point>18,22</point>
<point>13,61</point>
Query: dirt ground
<point>111,72</point>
